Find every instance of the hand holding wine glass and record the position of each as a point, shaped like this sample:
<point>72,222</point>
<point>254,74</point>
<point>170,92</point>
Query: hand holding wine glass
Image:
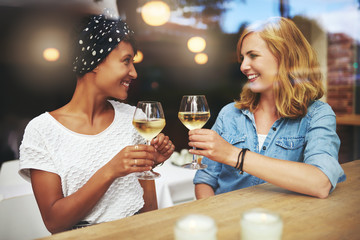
<point>149,121</point>
<point>194,113</point>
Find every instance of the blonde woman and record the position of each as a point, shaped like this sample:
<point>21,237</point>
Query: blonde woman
<point>278,132</point>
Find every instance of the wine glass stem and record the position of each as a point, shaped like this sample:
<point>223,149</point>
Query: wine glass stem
<point>194,161</point>
<point>148,142</point>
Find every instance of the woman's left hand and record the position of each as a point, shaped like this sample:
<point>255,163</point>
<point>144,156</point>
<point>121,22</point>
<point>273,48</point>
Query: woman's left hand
<point>211,145</point>
<point>164,147</point>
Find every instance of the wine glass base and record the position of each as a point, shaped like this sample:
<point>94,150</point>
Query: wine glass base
<point>148,175</point>
<point>195,166</point>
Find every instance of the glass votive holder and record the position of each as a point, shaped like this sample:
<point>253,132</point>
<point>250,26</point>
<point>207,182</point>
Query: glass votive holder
<point>258,223</point>
<point>195,226</point>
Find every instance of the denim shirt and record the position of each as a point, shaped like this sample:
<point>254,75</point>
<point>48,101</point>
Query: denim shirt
<point>311,139</point>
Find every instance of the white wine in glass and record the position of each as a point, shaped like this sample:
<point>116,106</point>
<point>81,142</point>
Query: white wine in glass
<point>194,113</point>
<point>149,121</point>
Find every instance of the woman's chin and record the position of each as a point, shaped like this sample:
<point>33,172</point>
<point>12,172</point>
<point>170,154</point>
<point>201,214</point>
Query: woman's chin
<point>255,89</point>
<point>121,97</point>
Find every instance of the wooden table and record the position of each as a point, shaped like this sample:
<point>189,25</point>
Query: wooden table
<point>304,217</point>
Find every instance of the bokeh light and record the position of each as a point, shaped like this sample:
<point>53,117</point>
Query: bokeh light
<point>196,44</point>
<point>154,85</point>
<point>138,57</point>
<point>201,58</point>
<point>51,54</point>
<point>155,13</point>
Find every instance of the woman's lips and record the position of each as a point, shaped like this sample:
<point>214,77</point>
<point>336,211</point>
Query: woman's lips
<point>252,77</point>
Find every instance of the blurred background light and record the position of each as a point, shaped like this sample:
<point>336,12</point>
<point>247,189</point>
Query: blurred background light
<point>51,54</point>
<point>201,58</point>
<point>155,13</point>
<point>196,44</point>
<point>138,57</point>
<point>154,85</point>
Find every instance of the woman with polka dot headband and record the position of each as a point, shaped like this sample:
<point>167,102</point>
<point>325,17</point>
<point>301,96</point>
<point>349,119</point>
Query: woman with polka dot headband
<point>81,157</point>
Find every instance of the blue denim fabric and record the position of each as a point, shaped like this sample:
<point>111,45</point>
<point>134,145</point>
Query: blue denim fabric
<point>311,139</point>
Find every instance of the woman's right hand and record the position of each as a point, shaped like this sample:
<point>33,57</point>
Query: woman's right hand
<point>210,144</point>
<point>137,158</point>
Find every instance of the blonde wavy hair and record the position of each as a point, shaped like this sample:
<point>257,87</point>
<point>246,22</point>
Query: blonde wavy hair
<point>299,79</point>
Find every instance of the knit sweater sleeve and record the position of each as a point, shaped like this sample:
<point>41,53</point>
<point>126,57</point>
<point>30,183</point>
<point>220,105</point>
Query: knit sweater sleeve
<point>33,150</point>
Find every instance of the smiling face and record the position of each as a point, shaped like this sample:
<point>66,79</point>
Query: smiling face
<point>258,64</point>
<point>115,73</point>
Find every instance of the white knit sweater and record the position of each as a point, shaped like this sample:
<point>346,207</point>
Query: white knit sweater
<point>49,146</point>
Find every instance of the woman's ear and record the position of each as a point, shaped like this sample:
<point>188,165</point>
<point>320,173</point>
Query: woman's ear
<point>95,70</point>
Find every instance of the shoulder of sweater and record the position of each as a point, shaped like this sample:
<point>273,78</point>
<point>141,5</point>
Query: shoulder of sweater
<point>39,120</point>
<point>122,107</point>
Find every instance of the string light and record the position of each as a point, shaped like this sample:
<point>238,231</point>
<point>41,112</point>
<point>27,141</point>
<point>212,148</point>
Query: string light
<point>155,13</point>
<point>51,54</point>
<point>201,58</point>
<point>138,57</point>
<point>196,44</point>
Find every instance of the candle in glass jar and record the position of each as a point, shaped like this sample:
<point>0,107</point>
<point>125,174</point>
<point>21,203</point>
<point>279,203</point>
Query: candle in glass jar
<point>261,224</point>
<point>195,226</point>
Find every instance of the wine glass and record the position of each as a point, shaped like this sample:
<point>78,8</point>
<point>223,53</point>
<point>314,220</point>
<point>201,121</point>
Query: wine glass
<point>149,121</point>
<point>194,113</point>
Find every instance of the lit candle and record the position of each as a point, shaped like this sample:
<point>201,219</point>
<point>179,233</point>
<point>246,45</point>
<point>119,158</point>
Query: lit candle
<point>261,224</point>
<point>194,226</point>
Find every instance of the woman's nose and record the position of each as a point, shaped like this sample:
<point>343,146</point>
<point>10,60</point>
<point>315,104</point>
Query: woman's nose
<point>244,66</point>
<point>133,72</point>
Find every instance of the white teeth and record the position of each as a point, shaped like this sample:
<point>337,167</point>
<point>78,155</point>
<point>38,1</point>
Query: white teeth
<point>126,84</point>
<point>252,76</point>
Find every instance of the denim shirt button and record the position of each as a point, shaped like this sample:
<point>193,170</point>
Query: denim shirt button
<point>264,147</point>
<point>274,128</point>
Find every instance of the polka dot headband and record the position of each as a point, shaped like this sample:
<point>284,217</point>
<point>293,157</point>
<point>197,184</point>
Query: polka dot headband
<point>97,40</point>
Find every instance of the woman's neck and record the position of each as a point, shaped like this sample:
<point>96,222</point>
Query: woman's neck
<point>267,105</point>
<point>88,112</point>
<point>265,114</point>
<point>87,102</point>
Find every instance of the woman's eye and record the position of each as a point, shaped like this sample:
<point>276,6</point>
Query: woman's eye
<point>127,60</point>
<point>253,55</point>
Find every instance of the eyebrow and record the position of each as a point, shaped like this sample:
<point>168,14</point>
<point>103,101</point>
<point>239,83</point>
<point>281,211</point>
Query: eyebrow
<point>248,52</point>
<point>251,51</point>
<point>128,55</point>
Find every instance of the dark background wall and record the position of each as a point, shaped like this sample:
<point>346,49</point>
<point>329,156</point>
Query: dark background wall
<point>30,86</point>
